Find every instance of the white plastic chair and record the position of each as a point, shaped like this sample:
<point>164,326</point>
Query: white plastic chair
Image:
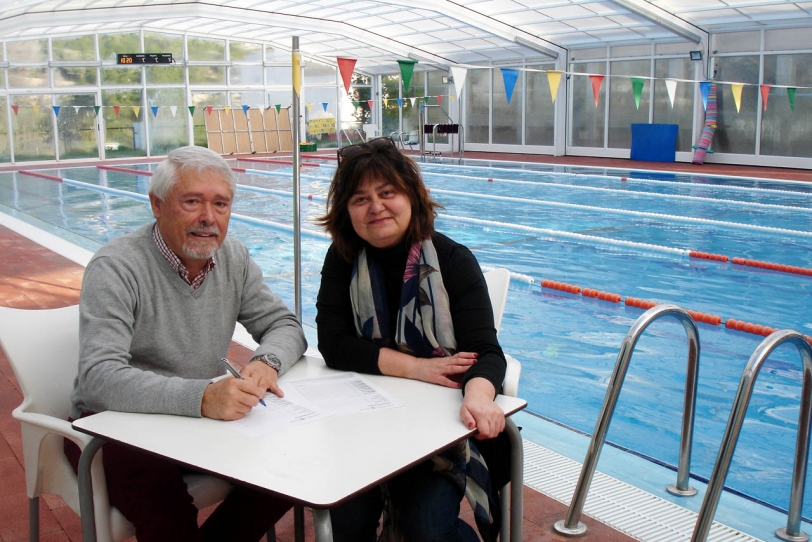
<point>42,347</point>
<point>498,281</point>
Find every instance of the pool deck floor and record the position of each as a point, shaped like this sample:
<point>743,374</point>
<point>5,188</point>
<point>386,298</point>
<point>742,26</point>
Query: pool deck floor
<point>33,277</point>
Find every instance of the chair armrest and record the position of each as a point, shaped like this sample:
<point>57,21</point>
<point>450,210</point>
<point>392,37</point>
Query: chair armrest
<point>510,386</point>
<point>52,425</point>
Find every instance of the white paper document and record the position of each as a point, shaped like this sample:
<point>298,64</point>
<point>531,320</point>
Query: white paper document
<point>312,399</point>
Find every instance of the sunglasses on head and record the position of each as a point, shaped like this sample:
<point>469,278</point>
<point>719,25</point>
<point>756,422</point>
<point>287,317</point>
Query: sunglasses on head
<point>375,144</point>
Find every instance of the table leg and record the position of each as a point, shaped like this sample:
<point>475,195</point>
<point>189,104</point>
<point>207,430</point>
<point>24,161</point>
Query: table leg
<point>516,481</point>
<point>323,525</point>
<point>86,507</point>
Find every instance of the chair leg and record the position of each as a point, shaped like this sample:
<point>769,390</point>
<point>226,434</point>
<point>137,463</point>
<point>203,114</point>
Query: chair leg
<point>33,519</point>
<point>516,480</point>
<point>271,536</point>
<point>504,530</point>
<point>298,523</point>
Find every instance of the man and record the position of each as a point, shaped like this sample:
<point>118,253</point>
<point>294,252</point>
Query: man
<point>158,309</point>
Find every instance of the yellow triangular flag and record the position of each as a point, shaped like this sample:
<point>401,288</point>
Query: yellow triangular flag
<point>228,109</point>
<point>136,110</point>
<point>554,79</point>
<point>386,102</point>
<point>36,109</point>
<point>309,107</point>
<point>450,97</point>
<point>297,73</point>
<point>737,95</point>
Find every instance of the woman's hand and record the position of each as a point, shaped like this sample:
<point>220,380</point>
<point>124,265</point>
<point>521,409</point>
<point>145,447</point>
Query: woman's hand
<point>445,371</point>
<point>478,409</point>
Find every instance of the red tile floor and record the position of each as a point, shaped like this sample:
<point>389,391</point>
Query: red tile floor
<point>32,277</point>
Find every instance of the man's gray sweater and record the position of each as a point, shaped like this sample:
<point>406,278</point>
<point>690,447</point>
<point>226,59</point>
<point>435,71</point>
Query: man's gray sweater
<point>150,343</point>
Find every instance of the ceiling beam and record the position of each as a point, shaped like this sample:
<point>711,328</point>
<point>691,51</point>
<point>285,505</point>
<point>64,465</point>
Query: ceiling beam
<point>664,19</point>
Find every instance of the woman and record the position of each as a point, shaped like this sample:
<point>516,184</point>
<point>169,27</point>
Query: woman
<point>398,298</point>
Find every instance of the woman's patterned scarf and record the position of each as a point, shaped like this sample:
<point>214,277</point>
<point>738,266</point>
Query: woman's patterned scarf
<point>424,329</point>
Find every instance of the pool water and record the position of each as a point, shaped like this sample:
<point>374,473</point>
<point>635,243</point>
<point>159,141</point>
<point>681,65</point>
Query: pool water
<point>625,232</point>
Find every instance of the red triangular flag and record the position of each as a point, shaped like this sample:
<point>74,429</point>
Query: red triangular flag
<point>208,109</point>
<point>765,95</point>
<point>597,81</point>
<point>345,68</point>
<point>439,100</point>
<point>370,102</point>
<point>16,108</point>
<point>116,108</point>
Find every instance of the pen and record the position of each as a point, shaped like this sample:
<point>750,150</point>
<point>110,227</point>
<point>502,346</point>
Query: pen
<point>236,374</point>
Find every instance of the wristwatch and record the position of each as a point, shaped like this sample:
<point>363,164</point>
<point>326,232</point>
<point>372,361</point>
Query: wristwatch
<point>270,360</point>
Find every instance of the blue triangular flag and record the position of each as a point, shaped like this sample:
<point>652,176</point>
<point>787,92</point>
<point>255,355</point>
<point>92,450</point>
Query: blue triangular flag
<point>324,106</point>
<point>704,88</point>
<point>56,109</point>
<point>509,76</point>
<point>400,102</point>
<point>245,109</point>
<point>154,110</point>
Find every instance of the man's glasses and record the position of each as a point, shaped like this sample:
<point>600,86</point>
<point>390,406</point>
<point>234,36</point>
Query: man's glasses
<point>374,145</point>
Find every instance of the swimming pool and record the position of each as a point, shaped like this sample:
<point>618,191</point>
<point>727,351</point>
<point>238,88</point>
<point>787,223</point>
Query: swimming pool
<point>626,232</point>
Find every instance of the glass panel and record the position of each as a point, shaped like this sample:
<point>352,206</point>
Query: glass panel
<point>164,43</point>
<point>28,77</point>
<point>282,98</point>
<point>76,125</point>
<point>73,77</point>
<point>411,115</point>
<point>254,98</point>
<point>623,111</point>
<point>507,117</point>
<point>390,87</point>
<point>207,75</point>
<point>588,119</point>
<point>279,75</point>
<point>246,75</point>
<point>277,55</point>
<point>121,76</point>
<point>359,111</point>
<point>245,52</point>
<point>28,50</point>
<point>539,125</point>
<point>323,128</point>
<point>167,132</point>
<point>734,42</point>
<point>319,74</point>
<point>786,131</point>
<point>477,106</point>
<point>5,148</point>
<point>111,45</point>
<point>165,75</point>
<point>200,100</point>
<point>124,133</point>
<point>681,113</point>
<point>77,48</point>
<point>736,131</point>
<point>438,102</point>
<point>33,128</point>
<point>206,49</point>
<point>786,39</point>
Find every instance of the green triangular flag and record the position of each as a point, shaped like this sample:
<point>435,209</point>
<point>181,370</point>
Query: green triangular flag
<point>356,104</point>
<point>192,110</point>
<point>96,110</point>
<point>278,108</point>
<point>791,96</point>
<point>406,71</point>
<point>637,86</point>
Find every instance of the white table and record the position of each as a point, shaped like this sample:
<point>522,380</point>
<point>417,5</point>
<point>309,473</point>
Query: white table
<point>319,464</point>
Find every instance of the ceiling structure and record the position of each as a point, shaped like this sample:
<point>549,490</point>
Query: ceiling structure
<point>440,33</point>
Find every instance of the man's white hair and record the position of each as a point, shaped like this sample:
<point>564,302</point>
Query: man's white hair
<point>183,159</point>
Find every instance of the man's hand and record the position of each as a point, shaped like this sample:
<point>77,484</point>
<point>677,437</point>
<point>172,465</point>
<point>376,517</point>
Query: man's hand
<point>263,376</point>
<point>230,398</point>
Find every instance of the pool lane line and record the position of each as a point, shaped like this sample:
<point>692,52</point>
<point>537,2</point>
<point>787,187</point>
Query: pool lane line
<point>627,178</point>
<point>634,192</point>
<point>126,170</point>
<point>266,224</point>
<point>645,304</point>
<point>770,266</point>
<point>274,161</point>
<point>626,212</point>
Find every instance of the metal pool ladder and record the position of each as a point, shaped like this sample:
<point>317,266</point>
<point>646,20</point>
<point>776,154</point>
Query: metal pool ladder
<point>792,532</point>
<point>572,526</point>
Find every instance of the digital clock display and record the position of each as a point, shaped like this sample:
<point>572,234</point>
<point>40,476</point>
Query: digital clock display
<point>144,58</point>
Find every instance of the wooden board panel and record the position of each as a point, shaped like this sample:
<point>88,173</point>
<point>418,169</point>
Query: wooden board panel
<point>243,142</point>
<point>257,128</point>
<point>229,143</point>
<point>226,120</point>
<point>270,119</point>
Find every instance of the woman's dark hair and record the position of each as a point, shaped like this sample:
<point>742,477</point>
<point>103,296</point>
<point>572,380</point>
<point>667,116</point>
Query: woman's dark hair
<point>377,159</point>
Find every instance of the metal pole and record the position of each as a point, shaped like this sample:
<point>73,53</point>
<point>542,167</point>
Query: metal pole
<point>297,234</point>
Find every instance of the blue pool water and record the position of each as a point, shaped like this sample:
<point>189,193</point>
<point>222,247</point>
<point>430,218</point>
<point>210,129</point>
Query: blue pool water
<point>626,232</point>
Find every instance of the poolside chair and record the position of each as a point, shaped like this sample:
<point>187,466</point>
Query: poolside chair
<point>42,347</point>
<point>498,281</point>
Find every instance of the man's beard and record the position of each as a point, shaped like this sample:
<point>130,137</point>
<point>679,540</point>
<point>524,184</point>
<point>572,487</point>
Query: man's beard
<point>201,248</point>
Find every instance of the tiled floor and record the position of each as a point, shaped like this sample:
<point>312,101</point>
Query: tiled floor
<point>34,278</point>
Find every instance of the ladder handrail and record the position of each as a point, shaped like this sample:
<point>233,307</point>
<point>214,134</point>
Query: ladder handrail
<point>792,532</point>
<point>349,139</point>
<point>572,526</point>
